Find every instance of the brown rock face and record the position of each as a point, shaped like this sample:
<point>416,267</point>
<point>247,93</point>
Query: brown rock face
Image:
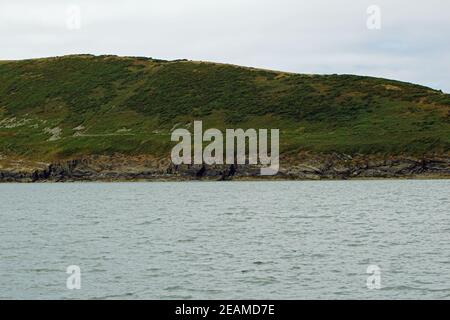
<point>298,167</point>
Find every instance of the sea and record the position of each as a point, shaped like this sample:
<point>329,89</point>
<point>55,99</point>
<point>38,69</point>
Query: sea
<point>375,239</point>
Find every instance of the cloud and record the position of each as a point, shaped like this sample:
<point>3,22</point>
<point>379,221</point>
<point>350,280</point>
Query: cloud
<point>321,36</point>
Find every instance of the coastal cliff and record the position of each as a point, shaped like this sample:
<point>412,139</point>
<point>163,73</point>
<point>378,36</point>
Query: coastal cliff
<point>304,167</point>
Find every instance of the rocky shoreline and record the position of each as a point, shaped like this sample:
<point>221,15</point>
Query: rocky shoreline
<point>299,167</point>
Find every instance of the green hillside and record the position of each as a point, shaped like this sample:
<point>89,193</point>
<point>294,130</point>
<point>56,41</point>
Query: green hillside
<point>57,108</point>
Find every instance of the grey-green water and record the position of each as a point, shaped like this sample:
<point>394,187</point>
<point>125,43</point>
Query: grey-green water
<point>265,240</point>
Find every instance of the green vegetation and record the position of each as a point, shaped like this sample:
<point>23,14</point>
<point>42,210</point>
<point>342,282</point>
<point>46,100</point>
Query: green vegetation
<point>76,105</point>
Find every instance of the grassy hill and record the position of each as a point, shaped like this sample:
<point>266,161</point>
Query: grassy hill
<point>65,107</point>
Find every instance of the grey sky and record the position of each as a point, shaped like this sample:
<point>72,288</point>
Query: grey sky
<point>315,36</point>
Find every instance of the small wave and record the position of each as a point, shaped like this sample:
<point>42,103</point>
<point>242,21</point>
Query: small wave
<point>173,288</point>
<point>115,296</point>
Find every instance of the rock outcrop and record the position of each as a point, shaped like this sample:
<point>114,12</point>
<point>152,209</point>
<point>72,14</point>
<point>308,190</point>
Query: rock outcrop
<point>299,167</point>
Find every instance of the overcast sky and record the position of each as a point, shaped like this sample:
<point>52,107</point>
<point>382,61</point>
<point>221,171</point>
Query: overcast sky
<point>315,36</point>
